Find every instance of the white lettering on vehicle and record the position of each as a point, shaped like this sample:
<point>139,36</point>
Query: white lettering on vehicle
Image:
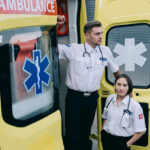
<point>20,5</point>
<point>2,5</point>
<point>38,8</point>
<point>43,6</point>
<point>28,5</point>
<point>32,8</point>
<point>11,5</point>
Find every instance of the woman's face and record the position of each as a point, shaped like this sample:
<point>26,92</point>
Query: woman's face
<point>121,87</point>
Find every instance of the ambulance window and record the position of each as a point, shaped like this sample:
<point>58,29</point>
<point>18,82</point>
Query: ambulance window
<point>90,9</point>
<point>130,46</point>
<point>31,73</point>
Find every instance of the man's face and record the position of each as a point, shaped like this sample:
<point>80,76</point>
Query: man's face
<point>94,37</point>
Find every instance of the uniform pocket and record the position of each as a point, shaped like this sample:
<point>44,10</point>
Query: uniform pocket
<point>79,63</point>
<point>125,120</point>
<point>99,67</point>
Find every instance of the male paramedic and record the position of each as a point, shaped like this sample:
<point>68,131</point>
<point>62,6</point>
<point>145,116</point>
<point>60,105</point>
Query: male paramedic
<point>85,66</point>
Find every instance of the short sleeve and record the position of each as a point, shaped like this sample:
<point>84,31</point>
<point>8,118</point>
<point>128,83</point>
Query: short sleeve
<point>65,51</point>
<point>139,120</point>
<point>112,62</point>
<point>104,115</point>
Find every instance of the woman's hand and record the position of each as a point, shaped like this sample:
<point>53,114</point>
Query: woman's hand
<point>135,138</point>
<point>128,144</point>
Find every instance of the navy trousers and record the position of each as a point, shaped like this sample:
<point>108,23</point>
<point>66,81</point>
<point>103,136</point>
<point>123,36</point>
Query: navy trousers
<point>79,116</point>
<point>111,142</point>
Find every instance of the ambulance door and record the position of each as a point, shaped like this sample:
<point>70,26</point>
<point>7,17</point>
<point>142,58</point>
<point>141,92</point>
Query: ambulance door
<point>126,33</point>
<point>29,116</point>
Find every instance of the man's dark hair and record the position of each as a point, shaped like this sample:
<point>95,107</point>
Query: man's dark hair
<point>129,81</point>
<point>88,26</point>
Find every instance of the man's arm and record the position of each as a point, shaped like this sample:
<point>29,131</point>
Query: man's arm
<point>104,122</point>
<point>61,19</point>
<point>116,73</point>
<point>113,64</point>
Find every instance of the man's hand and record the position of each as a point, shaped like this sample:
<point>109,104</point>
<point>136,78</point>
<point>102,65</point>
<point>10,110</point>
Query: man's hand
<point>61,19</point>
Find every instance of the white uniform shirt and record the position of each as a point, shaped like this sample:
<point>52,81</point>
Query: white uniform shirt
<point>115,119</point>
<point>78,77</point>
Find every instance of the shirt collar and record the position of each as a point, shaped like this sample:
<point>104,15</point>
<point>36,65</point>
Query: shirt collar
<point>97,48</point>
<point>90,49</point>
<point>124,101</point>
<point>114,98</point>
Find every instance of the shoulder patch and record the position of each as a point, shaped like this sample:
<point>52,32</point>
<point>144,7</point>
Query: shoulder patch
<point>140,116</point>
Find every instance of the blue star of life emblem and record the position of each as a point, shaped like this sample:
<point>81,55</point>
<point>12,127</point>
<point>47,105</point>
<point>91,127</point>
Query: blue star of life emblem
<point>37,72</point>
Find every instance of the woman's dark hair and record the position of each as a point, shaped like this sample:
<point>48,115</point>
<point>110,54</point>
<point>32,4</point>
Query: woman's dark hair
<point>129,81</point>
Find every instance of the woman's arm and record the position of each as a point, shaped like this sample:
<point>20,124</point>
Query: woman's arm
<point>135,138</point>
<point>104,121</point>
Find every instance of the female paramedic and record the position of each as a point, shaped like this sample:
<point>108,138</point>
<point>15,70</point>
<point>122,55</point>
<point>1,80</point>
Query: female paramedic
<point>124,121</point>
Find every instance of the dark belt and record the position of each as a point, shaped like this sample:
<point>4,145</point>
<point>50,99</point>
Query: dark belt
<point>86,94</point>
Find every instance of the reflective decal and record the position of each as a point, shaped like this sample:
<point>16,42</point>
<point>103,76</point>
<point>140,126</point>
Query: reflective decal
<point>37,72</point>
<point>140,116</point>
<point>130,54</point>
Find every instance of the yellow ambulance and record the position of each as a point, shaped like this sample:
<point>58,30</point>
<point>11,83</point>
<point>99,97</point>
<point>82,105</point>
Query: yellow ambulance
<point>29,115</point>
<point>126,25</point>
